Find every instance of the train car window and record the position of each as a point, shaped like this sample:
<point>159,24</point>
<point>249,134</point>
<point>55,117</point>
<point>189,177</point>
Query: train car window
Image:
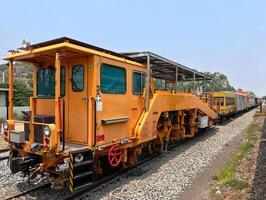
<point>78,78</point>
<point>113,79</point>
<point>46,82</point>
<point>230,101</point>
<point>138,82</point>
<point>219,101</point>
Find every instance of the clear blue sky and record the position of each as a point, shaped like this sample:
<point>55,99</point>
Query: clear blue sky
<point>225,36</point>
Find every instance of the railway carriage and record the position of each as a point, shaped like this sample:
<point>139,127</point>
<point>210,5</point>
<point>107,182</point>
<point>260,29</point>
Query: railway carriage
<point>251,100</point>
<point>98,110</point>
<point>241,103</point>
<point>224,103</point>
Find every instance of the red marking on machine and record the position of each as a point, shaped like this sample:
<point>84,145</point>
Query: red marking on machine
<point>115,155</point>
<point>99,138</point>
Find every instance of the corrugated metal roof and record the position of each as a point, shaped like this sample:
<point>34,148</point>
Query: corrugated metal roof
<point>164,68</point>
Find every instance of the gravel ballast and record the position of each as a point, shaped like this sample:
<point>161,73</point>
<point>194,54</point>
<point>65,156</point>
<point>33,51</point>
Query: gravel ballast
<point>165,177</point>
<point>168,175</point>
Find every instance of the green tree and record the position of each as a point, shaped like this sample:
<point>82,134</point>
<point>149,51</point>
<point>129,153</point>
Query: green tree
<point>21,93</point>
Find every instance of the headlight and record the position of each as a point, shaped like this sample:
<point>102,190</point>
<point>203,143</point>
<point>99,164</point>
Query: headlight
<point>5,125</point>
<point>79,158</point>
<point>47,131</point>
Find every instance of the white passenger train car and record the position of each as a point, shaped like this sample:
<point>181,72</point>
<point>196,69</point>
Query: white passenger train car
<point>240,102</point>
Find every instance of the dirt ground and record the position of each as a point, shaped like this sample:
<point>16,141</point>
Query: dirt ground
<point>252,169</point>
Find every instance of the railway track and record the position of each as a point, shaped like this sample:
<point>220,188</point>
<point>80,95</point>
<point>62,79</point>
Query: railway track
<point>4,150</point>
<point>79,194</point>
<point>108,179</point>
<point>20,194</point>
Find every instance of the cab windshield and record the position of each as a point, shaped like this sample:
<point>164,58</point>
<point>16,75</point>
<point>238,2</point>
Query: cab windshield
<point>46,82</point>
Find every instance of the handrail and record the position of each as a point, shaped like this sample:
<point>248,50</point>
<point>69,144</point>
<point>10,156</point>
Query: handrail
<point>43,97</point>
<point>95,123</point>
<point>34,123</point>
<point>63,125</point>
<point>21,97</point>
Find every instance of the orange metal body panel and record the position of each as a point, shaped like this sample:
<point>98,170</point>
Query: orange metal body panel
<point>162,102</point>
<point>77,114</point>
<point>118,106</point>
<point>45,107</point>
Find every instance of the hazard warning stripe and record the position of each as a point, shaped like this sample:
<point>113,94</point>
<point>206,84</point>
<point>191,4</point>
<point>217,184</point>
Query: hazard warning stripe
<point>71,167</point>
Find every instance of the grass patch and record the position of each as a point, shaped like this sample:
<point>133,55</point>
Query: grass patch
<point>226,176</point>
<point>238,184</point>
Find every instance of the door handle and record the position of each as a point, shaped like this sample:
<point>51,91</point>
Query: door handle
<point>84,98</point>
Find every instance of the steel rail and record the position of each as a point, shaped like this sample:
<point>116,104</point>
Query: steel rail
<point>4,158</point>
<point>4,150</point>
<point>28,191</point>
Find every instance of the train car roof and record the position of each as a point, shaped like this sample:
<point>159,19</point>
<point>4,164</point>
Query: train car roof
<point>163,68</point>
<point>79,43</point>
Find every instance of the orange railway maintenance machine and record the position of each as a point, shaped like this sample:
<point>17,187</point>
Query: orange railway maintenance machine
<point>97,110</point>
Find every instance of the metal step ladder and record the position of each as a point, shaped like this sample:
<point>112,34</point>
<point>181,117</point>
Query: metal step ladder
<point>81,173</point>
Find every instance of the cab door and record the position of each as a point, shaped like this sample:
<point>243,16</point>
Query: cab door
<point>77,103</point>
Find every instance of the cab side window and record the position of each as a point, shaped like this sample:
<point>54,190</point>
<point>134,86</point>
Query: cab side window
<point>113,79</point>
<point>138,82</point>
<point>78,78</point>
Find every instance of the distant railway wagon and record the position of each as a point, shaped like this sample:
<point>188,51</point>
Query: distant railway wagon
<point>98,110</point>
<point>251,100</point>
<point>229,103</point>
<point>241,103</point>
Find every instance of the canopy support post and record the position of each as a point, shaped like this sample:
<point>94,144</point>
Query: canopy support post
<point>194,86</point>
<point>57,96</point>
<point>176,79</point>
<point>35,69</point>
<point>11,91</point>
<point>204,86</point>
<point>147,101</point>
